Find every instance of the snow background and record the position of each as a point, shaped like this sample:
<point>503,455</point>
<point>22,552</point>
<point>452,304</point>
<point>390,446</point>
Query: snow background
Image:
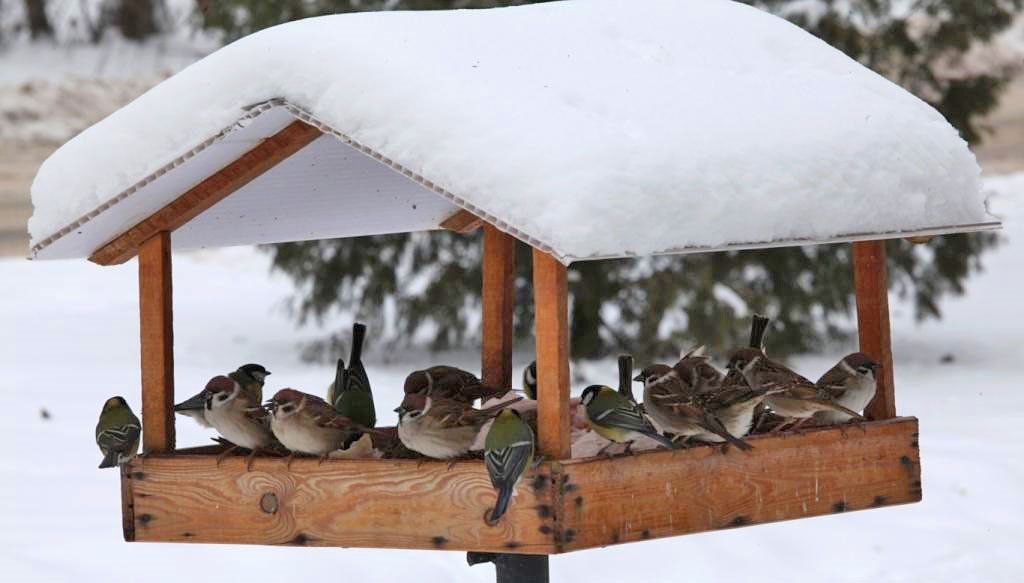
<point>69,334</point>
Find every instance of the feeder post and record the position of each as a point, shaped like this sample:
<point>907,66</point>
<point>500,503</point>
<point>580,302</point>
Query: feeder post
<point>157,342</point>
<point>872,292</point>
<point>499,271</point>
<point>551,299</point>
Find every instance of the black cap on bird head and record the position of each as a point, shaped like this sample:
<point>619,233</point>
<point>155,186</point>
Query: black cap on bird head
<point>252,369</point>
<point>590,392</point>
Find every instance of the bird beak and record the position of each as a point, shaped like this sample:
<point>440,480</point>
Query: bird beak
<point>639,378</point>
<point>193,404</point>
<point>266,374</point>
<point>399,410</point>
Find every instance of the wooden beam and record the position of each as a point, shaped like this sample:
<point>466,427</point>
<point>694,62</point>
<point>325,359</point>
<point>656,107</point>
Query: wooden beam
<point>499,273</point>
<point>462,222</point>
<point>872,291</point>
<point>406,504</point>
<point>551,299</point>
<point>157,343</point>
<point>267,154</point>
<point>797,475</point>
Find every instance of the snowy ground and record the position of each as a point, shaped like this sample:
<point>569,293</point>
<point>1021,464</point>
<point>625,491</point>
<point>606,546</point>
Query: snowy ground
<point>69,336</point>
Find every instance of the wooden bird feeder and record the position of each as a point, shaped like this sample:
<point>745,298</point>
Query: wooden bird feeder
<point>281,171</point>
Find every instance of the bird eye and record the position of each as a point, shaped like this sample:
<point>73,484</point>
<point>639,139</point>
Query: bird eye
<point>414,414</point>
<point>287,408</point>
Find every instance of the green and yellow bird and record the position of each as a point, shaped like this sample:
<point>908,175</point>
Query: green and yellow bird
<point>350,393</point>
<point>618,419</point>
<point>508,451</point>
<point>117,432</point>
<point>530,381</point>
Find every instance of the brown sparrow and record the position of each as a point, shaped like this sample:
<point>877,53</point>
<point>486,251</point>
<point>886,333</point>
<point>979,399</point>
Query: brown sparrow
<point>307,424</point>
<point>442,428</point>
<point>449,382</point>
<point>230,410</point>
<point>851,383</point>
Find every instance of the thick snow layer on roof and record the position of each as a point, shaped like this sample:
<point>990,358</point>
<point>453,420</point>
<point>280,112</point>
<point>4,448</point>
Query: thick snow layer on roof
<point>592,128</point>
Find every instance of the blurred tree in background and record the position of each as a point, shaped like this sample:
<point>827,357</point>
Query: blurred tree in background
<point>70,21</point>
<point>427,285</point>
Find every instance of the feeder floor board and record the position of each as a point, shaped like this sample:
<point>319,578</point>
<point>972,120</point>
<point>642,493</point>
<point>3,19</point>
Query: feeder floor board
<point>561,506</point>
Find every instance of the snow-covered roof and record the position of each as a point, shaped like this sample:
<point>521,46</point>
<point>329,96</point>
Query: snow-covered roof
<point>588,128</point>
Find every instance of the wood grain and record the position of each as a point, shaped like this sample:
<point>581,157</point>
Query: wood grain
<point>551,299</point>
<point>872,291</point>
<point>157,343</point>
<point>499,272</point>
<point>462,221</point>
<point>346,503</point>
<point>663,493</point>
<point>267,154</point>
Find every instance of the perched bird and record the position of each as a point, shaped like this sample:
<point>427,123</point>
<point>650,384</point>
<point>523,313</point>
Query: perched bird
<point>789,394</point>
<point>692,374</point>
<point>249,376</point>
<point>679,409</point>
<point>117,432</point>
<point>449,382</point>
<point>530,381</point>
<point>508,451</point>
<point>618,419</point>
<point>307,424</point>
<point>354,398</point>
<point>240,420</point>
<point>850,383</point>
<point>441,428</point>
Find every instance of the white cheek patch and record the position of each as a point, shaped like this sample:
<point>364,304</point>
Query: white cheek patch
<point>847,368</point>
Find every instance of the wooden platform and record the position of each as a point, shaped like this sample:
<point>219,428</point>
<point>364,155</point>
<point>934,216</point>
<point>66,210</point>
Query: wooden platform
<point>570,505</point>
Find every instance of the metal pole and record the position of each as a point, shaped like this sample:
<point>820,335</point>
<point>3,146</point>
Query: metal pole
<point>509,568</point>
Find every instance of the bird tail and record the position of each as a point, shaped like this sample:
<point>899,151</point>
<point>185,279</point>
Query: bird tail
<point>837,407</point>
<point>110,459</point>
<point>661,439</point>
<point>499,406</point>
<point>626,376</point>
<point>358,335</point>
<point>715,426</point>
<point>501,505</point>
<point>758,329</point>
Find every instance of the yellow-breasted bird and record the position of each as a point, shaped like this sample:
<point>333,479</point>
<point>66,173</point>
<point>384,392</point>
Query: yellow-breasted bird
<point>350,393</point>
<point>508,451</point>
<point>618,419</point>
<point>117,432</point>
<point>249,376</point>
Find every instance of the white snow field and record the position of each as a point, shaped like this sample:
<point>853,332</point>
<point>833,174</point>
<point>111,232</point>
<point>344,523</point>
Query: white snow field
<point>605,111</point>
<point>69,339</point>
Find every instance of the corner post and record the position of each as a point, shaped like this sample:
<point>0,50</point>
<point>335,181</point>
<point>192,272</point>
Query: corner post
<point>872,292</point>
<point>157,343</point>
<point>551,299</point>
<point>499,270</point>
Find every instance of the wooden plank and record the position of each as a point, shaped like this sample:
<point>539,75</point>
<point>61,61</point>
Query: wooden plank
<point>551,299</point>
<point>347,503</point>
<point>127,505</point>
<point>462,222</point>
<point>872,291</point>
<point>267,154</point>
<point>157,343</point>
<point>664,493</point>
<point>499,272</point>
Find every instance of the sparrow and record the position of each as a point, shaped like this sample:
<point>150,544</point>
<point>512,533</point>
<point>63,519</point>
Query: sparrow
<point>355,398</point>
<point>117,432</point>
<point>449,382</point>
<point>230,410</point>
<point>530,381</point>
<point>679,409</point>
<point>441,428</point>
<point>249,376</point>
<point>618,419</point>
<point>692,374</point>
<point>508,451</point>
<point>851,383</point>
<point>305,423</point>
<point>788,394</point>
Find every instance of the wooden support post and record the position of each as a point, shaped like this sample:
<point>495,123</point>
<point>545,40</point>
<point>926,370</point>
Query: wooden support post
<point>499,271</point>
<point>872,290</point>
<point>551,300</point>
<point>157,339</point>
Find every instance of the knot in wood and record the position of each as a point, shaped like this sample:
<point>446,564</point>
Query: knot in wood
<point>268,503</point>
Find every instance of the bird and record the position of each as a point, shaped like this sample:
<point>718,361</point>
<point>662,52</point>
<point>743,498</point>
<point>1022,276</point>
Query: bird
<point>508,451</point>
<point>449,382</point>
<point>530,381</point>
<point>250,376</point>
<point>618,419</point>
<point>117,432</point>
<point>788,394</point>
<point>441,428</point>
<point>307,424</point>
<point>692,374</point>
<point>354,398</point>
<point>230,410</point>
<point>680,410</point>
<point>851,383</point>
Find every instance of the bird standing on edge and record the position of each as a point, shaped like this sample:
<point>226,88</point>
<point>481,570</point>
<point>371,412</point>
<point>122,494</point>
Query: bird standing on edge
<point>240,420</point>
<point>851,383</point>
<point>508,451</point>
<point>249,376</point>
<point>307,424</point>
<point>442,428</point>
<point>117,432</point>
<point>350,393</point>
<point>618,419</point>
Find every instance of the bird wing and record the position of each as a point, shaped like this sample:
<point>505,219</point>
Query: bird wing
<point>507,464</point>
<point>625,416</point>
<point>118,438</point>
<point>833,382</point>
